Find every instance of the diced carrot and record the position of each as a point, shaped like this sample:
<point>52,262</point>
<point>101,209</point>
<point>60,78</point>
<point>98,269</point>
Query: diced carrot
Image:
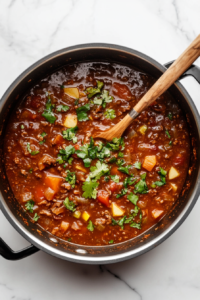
<point>149,162</point>
<point>103,197</point>
<point>58,140</point>
<point>76,147</point>
<point>53,182</point>
<point>49,194</point>
<point>114,171</point>
<point>113,186</point>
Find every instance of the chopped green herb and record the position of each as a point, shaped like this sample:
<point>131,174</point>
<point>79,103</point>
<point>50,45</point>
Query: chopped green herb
<point>111,242</point>
<point>60,108</point>
<point>141,186</point>
<point>76,102</point>
<point>121,222</point>
<point>123,192</point>
<point>128,181</point>
<point>43,134</point>
<point>64,154</point>
<point>99,170</point>
<point>91,91</point>
<point>82,112</point>
<point>48,114</point>
<point>170,143</point>
<point>70,205</point>
<point>107,178</point>
<point>115,178</point>
<point>103,99</point>
<point>162,174</point>
<point>31,152</point>
<point>135,225</point>
<point>31,170</point>
<point>87,162</point>
<point>90,226</point>
<point>133,198</point>
<point>120,154</point>
<point>29,205</point>
<point>62,86</point>
<point>36,217</point>
<point>70,160</point>
<point>70,133</point>
<point>170,115</point>
<point>90,189</point>
<point>105,152</point>
<point>42,142</point>
<point>137,165</point>
<point>112,160</point>
<point>167,133</point>
<point>114,222</point>
<point>22,126</point>
<point>120,162</point>
<point>69,239</point>
<point>125,169</point>
<point>116,144</point>
<point>71,178</point>
<point>110,113</point>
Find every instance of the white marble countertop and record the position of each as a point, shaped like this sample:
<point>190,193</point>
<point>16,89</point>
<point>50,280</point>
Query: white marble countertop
<point>30,29</point>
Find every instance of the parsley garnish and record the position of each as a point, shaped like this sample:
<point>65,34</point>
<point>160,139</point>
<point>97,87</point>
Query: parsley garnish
<point>82,112</point>
<point>112,160</point>
<point>116,144</point>
<point>60,108</point>
<point>70,205</point>
<point>137,165</point>
<point>43,134</point>
<point>111,242</point>
<point>125,169</point>
<point>107,178</point>
<point>22,126</point>
<point>115,178</point>
<point>71,178</point>
<point>48,114</point>
<point>135,225</point>
<point>123,192</point>
<point>76,102</point>
<point>99,170</point>
<point>133,198</point>
<point>42,142</point>
<point>31,152</point>
<point>167,133</point>
<point>29,205</point>
<point>70,133</point>
<point>103,99</point>
<point>36,217</point>
<point>90,226</point>
<point>31,170</point>
<point>90,189</point>
<point>91,91</point>
<point>128,181</point>
<point>110,113</point>
<point>170,115</point>
<point>120,154</point>
<point>141,186</point>
<point>65,154</point>
<point>162,181</point>
<point>170,143</point>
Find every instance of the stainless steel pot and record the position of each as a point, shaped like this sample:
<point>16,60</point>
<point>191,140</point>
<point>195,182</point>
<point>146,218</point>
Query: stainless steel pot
<point>44,240</point>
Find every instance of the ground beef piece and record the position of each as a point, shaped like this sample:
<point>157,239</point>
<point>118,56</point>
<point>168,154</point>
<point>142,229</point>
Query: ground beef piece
<point>45,212</point>
<point>46,160</point>
<point>66,185</point>
<point>16,160</point>
<point>100,221</point>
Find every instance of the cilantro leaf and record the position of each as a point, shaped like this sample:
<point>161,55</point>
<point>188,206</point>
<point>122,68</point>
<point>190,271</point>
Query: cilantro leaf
<point>170,115</point>
<point>83,152</point>
<point>120,154</point>
<point>29,205</point>
<point>105,152</point>
<point>90,189</point>
<point>103,99</point>
<point>110,113</point>
<point>137,165</point>
<point>87,162</point>
<point>91,91</point>
<point>133,198</point>
<point>70,133</point>
<point>121,222</point>
<point>123,192</point>
<point>60,108</point>
<point>135,225</point>
<point>112,160</point>
<point>116,144</point>
<point>162,174</point>
<point>120,162</point>
<point>99,170</point>
<point>71,178</point>
<point>111,242</point>
<point>43,134</point>
<point>48,114</point>
<point>64,154</point>
<point>115,178</point>
<point>70,205</point>
<point>36,217</point>
<point>141,186</point>
<point>90,226</point>
<point>82,112</point>
<point>125,169</point>
<point>128,181</point>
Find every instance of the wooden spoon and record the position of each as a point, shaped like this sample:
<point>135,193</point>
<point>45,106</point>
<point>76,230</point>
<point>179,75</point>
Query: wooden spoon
<point>179,66</point>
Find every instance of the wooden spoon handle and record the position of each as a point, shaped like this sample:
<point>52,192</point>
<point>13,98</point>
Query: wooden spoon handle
<point>180,65</point>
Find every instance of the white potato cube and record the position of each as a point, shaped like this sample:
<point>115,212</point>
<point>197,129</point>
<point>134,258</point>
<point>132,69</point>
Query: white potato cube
<point>70,121</point>
<point>116,210</point>
<point>173,173</point>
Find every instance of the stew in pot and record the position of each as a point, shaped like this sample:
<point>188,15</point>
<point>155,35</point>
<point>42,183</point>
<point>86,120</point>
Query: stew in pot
<point>85,190</point>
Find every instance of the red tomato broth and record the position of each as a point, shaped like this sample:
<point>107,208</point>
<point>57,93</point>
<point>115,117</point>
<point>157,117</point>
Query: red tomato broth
<point>27,179</point>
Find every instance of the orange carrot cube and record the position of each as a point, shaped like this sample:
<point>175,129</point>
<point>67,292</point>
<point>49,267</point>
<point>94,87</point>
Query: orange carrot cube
<point>149,162</point>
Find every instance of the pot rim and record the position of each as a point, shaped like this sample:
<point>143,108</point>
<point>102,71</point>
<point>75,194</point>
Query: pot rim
<point>80,258</point>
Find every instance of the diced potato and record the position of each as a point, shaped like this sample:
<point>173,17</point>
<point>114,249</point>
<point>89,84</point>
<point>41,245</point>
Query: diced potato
<point>116,210</point>
<point>143,129</point>
<point>49,194</point>
<point>85,216</point>
<point>27,196</point>
<point>81,169</point>
<point>156,213</point>
<point>53,182</point>
<point>174,186</point>
<point>81,94</point>
<point>64,226</point>
<point>77,214</point>
<point>70,121</point>
<point>72,92</point>
<point>173,173</point>
<point>149,162</point>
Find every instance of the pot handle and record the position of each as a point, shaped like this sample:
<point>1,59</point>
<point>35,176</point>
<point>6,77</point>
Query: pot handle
<point>193,70</point>
<point>9,254</point>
